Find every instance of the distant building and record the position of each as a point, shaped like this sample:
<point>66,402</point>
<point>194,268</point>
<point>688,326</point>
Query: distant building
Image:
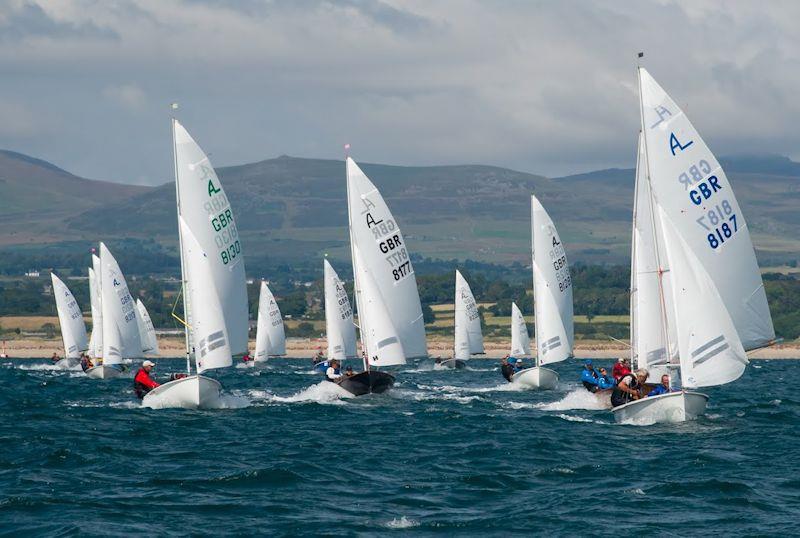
<point>33,273</point>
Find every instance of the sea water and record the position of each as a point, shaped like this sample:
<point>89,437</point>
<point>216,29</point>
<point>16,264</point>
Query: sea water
<point>445,452</point>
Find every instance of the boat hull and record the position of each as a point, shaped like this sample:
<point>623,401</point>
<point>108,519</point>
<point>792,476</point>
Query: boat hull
<point>666,408</point>
<point>369,382</point>
<point>191,392</point>
<point>102,371</point>
<point>536,378</point>
<point>452,363</point>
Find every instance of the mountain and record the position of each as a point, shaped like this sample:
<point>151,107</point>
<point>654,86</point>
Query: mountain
<point>290,209</point>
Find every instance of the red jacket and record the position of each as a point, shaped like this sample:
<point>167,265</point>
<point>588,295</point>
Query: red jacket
<point>144,378</point>
<point>619,370</point>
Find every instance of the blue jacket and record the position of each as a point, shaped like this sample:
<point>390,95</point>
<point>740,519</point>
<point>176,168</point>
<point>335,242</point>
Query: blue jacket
<point>321,366</point>
<point>660,389</point>
<point>588,376</point>
<point>606,382</point>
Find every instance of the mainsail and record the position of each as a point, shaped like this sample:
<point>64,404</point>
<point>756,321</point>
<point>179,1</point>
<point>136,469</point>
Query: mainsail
<point>468,336</point>
<point>690,186</point>
<point>552,289</point>
<point>208,325</point>
<point>719,307</point>
<point>339,327</point>
<point>270,336</point>
<point>120,328</point>
<point>147,332</point>
<point>70,318</point>
<point>384,277</point>
<point>520,340</point>
<point>205,208</point>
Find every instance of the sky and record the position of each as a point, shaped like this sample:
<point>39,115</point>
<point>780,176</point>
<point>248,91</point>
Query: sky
<point>547,87</point>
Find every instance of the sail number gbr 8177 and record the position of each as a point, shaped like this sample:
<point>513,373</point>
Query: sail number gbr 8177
<point>390,242</point>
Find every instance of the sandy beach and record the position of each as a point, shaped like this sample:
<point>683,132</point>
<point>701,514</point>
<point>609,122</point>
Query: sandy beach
<point>172,347</point>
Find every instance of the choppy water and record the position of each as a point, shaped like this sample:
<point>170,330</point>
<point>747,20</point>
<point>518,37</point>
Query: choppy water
<point>445,452</point>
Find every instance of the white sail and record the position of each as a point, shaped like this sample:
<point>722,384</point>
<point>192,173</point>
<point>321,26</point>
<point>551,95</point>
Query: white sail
<point>70,318</point>
<point>208,323</point>
<point>652,316</point>
<point>552,289</point>
<point>120,328</point>
<point>710,350</point>
<point>147,332</point>
<point>468,335</point>
<point>692,189</point>
<point>520,340</point>
<point>339,327</point>
<point>374,231</point>
<point>380,339</point>
<point>207,212</point>
<point>270,336</point>
<point>96,342</point>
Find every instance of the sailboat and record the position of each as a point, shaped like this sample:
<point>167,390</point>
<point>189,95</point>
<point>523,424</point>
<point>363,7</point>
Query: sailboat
<point>697,299</point>
<point>552,291</point>
<point>270,335</point>
<point>70,319</point>
<point>147,332</point>
<point>339,327</point>
<point>390,319</point>
<point>212,272</point>
<point>96,340</point>
<point>467,339</point>
<point>120,328</point>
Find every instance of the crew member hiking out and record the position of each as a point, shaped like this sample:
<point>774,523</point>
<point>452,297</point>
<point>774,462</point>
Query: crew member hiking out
<point>629,388</point>
<point>333,373</point>
<point>142,382</point>
<point>589,376</point>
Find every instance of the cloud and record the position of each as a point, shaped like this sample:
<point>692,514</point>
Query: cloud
<point>546,87</point>
<point>128,96</point>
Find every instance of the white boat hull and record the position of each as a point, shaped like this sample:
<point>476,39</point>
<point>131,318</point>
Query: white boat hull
<point>536,378</point>
<point>665,408</point>
<point>192,392</point>
<point>452,364</point>
<point>102,371</point>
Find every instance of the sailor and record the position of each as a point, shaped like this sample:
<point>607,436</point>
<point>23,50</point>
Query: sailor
<point>55,357</point>
<point>247,357</point>
<point>86,362</point>
<point>663,388</point>
<point>605,381</point>
<point>519,365</point>
<point>506,369</point>
<point>319,357</point>
<point>629,388</point>
<point>348,372</point>
<point>621,367</point>
<point>333,373</point>
<point>142,382</point>
<point>588,376</point>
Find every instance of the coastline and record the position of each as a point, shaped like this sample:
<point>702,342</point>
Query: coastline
<point>304,348</point>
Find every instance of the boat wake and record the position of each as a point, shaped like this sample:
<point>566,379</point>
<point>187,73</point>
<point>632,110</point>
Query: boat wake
<point>576,399</point>
<point>433,393</point>
<point>45,367</point>
<point>402,523</point>
<point>323,392</point>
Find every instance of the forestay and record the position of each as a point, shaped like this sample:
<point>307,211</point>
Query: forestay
<point>147,332</point>
<point>468,336</point>
<point>96,343</point>
<point>207,212</point>
<point>339,327</point>
<point>374,231</point>
<point>552,289</point>
<point>520,341</point>
<point>70,318</point>
<point>693,191</point>
<point>270,336</point>
<point>208,324</point>
<point>120,328</point>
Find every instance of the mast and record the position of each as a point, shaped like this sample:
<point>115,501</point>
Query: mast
<point>634,288</point>
<point>180,248</point>
<point>356,286</point>
<point>536,316</point>
<point>664,316</point>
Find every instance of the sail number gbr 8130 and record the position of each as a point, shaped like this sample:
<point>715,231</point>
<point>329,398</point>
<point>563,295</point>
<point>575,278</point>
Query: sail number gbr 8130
<point>220,216</point>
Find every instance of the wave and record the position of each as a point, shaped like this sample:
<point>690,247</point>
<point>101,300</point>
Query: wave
<point>323,392</point>
<point>577,399</point>
<point>402,523</point>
